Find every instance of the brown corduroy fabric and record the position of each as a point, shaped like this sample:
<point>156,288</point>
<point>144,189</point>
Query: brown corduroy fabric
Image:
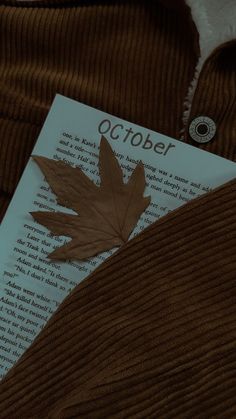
<point>152,332</point>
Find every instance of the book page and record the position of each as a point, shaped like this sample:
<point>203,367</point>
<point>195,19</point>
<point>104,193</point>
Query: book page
<point>32,286</point>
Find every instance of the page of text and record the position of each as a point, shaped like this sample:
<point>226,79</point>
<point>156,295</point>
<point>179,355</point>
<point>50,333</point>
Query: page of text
<point>32,286</point>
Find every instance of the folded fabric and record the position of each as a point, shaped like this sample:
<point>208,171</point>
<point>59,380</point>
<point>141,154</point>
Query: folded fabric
<point>152,332</point>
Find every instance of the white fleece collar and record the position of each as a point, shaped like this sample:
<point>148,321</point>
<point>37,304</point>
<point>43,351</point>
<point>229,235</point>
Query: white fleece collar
<point>215,21</point>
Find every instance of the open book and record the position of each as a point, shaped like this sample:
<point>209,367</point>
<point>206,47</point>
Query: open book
<point>32,286</point>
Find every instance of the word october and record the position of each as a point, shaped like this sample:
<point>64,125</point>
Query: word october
<point>119,132</point>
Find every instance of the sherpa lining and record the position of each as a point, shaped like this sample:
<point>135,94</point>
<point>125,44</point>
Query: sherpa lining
<point>215,22</point>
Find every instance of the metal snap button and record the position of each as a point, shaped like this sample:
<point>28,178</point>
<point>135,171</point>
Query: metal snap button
<point>202,129</point>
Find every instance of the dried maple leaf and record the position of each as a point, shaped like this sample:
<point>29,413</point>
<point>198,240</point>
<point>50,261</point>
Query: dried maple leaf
<point>107,213</point>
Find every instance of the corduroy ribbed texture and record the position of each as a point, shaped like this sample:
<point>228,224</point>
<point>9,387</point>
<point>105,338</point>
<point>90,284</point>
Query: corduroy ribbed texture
<point>152,332</point>
<point>216,97</point>
<point>125,58</point>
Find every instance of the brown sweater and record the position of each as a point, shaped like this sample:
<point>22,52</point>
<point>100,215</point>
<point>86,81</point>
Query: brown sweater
<point>152,332</point>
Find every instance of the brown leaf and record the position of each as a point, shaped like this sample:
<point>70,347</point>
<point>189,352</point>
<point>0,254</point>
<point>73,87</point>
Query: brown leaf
<point>107,214</point>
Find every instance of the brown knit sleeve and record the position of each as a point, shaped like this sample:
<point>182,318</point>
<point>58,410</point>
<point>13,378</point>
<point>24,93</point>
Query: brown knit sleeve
<point>150,334</point>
